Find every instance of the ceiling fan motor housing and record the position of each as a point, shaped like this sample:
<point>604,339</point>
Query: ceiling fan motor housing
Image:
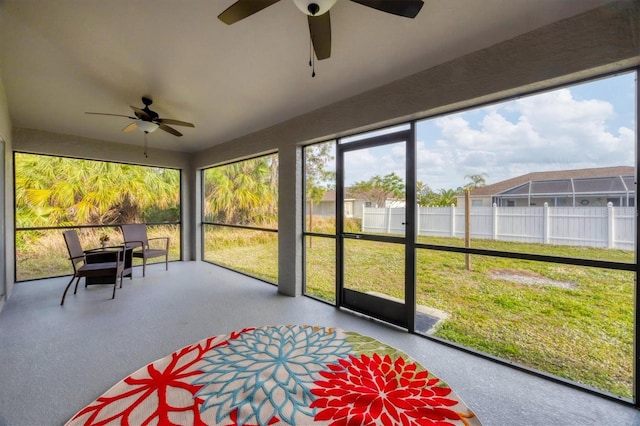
<point>151,115</point>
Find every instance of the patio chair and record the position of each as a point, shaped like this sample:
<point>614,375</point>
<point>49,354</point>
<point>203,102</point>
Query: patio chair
<point>135,235</point>
<point>85,266</point>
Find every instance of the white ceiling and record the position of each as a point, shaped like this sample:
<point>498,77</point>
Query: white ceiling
<point>61,58</point>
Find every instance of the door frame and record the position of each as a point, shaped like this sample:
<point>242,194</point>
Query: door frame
<point>400,314</point>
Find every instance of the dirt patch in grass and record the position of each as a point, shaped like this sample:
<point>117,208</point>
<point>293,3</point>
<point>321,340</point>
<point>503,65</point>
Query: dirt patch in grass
<point>528,278</point>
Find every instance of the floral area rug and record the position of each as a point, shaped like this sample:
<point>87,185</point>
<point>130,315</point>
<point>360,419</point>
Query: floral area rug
<point>289,374</point>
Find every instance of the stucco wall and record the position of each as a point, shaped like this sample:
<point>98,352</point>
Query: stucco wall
<point>6,208</point>
<point>42,142</point>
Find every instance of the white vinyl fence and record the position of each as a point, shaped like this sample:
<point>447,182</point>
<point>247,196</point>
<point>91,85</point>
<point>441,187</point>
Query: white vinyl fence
<point>607,227</point>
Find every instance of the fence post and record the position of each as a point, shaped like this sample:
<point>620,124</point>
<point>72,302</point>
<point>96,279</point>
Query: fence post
<point>467,226</point>
<point>363,225</point>
<point>545,223</point>
<point>610,226</point>
<point>495,221</point>
<point>453,220</point>
<point>417,219</point>
<point>387,217</point>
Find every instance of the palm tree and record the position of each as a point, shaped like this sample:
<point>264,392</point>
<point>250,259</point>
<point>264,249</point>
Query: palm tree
<point>446,197</point>
<point>243,192</point>
<point>424,194</point>
<point>476,180</point>
<point>53,191</point>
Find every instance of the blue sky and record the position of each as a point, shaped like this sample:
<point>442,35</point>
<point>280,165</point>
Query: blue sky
<point>587,125</point>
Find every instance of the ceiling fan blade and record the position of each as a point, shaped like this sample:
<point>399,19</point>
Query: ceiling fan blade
<point>320,30</point>
<point>242,9</point>
<point>141,113</point>
<point>406,8</point>
<point>114,115</point>
<point>130,128</point>
<point>169,129</point>
<point>174,122</point>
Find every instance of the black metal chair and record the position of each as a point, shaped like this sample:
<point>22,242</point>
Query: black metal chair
<point>135,235</point>
<point>83,266</point>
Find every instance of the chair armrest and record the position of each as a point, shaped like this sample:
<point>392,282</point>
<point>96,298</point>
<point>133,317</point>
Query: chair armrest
<point>166,244</point>
<point>134,244</point>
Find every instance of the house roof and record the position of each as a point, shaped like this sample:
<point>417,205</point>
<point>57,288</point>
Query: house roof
<point>330,195</point>
<point>553,175</point>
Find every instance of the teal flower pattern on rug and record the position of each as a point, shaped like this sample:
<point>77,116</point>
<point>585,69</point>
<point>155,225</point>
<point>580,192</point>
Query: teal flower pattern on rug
<point>268,374</point>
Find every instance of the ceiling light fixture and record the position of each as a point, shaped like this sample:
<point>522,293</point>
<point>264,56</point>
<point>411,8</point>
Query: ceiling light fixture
<point>314,7</point>
<point>146,126</point>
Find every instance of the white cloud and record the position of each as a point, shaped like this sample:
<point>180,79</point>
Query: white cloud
<point>542,132</point>
<point>548,131</point>
<point>363,164</point>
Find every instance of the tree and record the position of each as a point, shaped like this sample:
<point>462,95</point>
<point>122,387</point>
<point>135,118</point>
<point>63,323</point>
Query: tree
<point>53,191</point>
<point>378,190</point>
<point>476,180</point>
<point>445,198</point>
<point>318,180</point>
<point>242,193</point>
<point>424,194</point>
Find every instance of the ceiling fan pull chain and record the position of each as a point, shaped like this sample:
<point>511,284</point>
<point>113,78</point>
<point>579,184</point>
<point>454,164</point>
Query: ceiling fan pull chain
<point>145,145</point>
<point>312,62</point>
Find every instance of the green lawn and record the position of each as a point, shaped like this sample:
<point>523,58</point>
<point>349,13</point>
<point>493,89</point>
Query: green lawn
<point>574,322</point>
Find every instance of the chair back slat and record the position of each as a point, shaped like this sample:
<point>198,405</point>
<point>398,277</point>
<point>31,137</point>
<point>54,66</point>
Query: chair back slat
<point>135,232</point>
<point>73,243</point>
<point>73,246</point>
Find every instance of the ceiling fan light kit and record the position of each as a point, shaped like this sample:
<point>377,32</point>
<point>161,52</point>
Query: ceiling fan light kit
<point>146,126</point>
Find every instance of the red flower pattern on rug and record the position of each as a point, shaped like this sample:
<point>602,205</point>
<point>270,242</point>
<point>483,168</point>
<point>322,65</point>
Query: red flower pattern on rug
<point>379,390</point>
<point>167,387</point>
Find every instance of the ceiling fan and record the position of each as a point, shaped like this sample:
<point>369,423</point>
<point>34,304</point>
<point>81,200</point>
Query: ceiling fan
<point>317,12</point>
<point>147,120</point>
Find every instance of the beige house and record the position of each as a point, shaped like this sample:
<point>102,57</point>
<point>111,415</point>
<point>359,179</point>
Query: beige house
<point>327,206</point>
<point>572,188</point>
